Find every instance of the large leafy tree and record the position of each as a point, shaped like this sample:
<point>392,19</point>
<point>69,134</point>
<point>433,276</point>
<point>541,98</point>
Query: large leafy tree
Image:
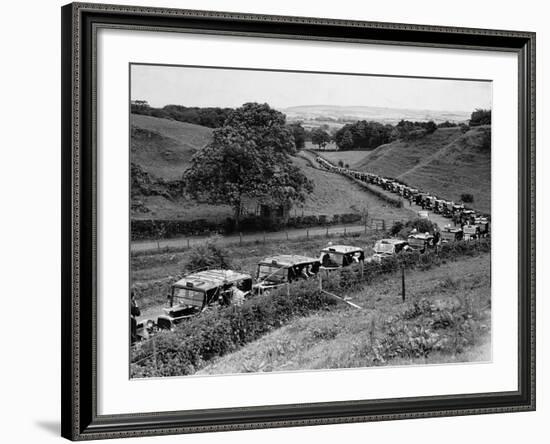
<point>249,158</point>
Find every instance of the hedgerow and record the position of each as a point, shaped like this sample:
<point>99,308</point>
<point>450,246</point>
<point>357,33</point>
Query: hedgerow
<point>166,228</point>
<point>219,331</point>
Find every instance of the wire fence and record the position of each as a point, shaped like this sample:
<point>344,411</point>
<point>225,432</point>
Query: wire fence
<point>362,227</point>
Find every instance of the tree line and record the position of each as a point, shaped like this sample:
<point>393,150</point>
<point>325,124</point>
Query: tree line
<point>368,135</point>
<point>211,117</point>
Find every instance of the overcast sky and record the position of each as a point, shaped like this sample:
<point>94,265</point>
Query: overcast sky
<point>187,86</point>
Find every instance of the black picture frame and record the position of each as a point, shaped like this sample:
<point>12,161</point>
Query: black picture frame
<point>79,396</point>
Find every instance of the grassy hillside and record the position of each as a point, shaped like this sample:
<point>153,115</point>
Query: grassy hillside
<point>334,194</point>
<point>348,338</point>
<point>396,158</point>
<point>447,163</point>
<point>164,147</point>
<point>463,166</point>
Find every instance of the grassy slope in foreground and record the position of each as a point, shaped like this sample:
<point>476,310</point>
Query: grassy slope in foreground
<point>342,338</point>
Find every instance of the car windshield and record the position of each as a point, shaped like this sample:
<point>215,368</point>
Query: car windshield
<point>383,247</point>
<point>188,296</point>
<point>416,241</point>
<point>272,273</point>
<point>331,259</point>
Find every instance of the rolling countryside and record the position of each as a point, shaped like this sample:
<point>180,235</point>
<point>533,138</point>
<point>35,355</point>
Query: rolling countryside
<point>163,148</point>
<point>447,162</point>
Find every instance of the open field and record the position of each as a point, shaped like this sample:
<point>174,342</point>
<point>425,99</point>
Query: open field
<point>346,338</point>
<point>335,194</point>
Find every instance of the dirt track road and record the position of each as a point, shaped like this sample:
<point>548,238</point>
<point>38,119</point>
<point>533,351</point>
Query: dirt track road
<point>249,237</point>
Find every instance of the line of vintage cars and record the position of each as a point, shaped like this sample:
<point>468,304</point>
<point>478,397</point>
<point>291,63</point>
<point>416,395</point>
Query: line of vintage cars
<point>195,292</point>
<point>471,224</point>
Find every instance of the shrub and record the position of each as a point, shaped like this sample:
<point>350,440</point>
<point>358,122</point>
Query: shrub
<point>467,197</point>
<point>396,228</point>
<point>208,255</point>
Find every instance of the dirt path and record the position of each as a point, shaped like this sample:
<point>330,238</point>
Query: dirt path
<point>249,237</point>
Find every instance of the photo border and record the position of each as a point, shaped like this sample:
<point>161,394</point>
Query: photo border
<point>79,318</point>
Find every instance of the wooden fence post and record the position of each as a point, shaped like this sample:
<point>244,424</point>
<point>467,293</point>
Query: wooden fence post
<point>155,354</point>
<point>240,238</point>
<point>403,283</point>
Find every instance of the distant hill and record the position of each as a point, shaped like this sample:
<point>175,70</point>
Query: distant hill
<point>447,163</point>
<point>164,147</point>
<point>378,114</point>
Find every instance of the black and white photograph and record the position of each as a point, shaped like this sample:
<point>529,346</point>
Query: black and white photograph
<point>298,221</point>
